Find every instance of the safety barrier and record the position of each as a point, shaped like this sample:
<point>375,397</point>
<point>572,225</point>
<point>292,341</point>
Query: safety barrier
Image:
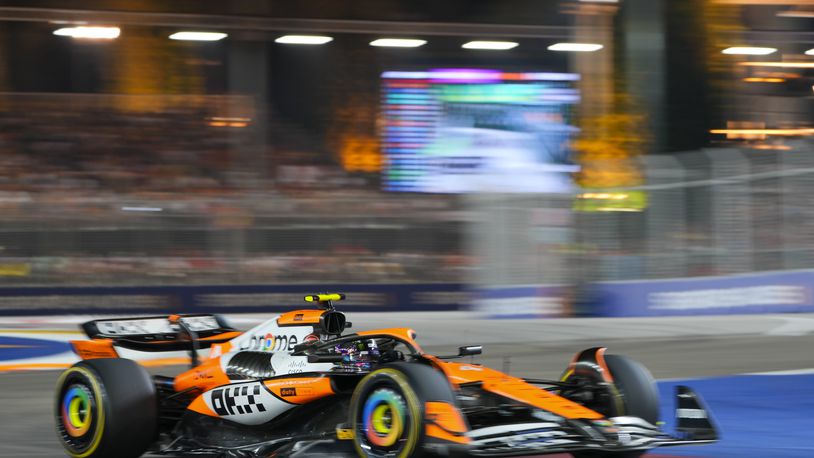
<point>222,299</point>
<point>764,292</point>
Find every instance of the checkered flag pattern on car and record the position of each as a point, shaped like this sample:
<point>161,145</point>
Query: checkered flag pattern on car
<point>239,400</point>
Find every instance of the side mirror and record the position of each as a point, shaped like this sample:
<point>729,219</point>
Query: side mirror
<point>470,350</point>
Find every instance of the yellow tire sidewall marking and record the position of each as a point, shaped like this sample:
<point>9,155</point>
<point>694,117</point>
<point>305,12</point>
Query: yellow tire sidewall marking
<point>100,408</point>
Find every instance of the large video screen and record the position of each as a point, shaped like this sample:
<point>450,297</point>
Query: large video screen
<point>477,130</point>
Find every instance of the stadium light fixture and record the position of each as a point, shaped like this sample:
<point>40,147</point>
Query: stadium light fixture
<point>89,32</point>
<point>198,36</point>
<point>303,39</point>
<point>784,132</point>
<point>398,43</point>
<point>758,79</point>
<point>575,47</point>
<point>749,51</point>
<point>779,64</point>
<point>492,45</point>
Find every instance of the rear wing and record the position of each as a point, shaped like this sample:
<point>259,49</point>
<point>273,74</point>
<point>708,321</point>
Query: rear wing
<point>162,333</point>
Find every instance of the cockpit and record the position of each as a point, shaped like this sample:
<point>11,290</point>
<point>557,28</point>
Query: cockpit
<point>357,354</point>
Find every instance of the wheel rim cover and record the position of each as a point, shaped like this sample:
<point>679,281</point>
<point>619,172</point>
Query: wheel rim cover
<point>383,418</point>
<point>77,414</point>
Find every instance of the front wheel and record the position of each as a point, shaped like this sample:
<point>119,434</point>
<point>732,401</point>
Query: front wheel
<point>106,408</point>
<point>635,394</point>
<point>386,415</point>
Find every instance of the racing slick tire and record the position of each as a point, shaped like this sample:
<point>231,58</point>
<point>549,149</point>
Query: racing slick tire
<point>106,408</point>
<point>639,398</point>
<point>388,406</point>
<point>636,386</point>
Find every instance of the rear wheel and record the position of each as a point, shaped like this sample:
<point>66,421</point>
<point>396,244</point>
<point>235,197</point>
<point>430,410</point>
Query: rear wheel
<point>634,393</point>
<point>106,408</point>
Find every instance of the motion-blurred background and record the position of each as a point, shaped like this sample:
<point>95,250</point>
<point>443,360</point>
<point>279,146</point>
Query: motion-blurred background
<point>516,157</point>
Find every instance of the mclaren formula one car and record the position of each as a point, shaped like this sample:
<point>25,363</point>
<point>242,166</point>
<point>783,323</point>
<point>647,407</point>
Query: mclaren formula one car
<point>299,385</point>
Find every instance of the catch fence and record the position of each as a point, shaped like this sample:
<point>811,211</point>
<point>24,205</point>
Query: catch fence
<point>715,212</point>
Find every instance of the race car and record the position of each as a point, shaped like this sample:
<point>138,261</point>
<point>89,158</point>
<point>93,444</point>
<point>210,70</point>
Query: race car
<point>299,385</point>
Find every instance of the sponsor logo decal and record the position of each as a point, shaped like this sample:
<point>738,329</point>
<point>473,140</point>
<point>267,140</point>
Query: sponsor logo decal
<point>288,392</point>
<point>122,327</point>
<point>297,366</point>
<point>270,342</point>
<point>237,400</point>
<point>155,325</point>
<point>298,317</point>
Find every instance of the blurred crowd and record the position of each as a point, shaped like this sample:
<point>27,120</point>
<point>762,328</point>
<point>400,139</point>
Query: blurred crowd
<point>282,268</point>
<point>108,196</point>
<point>93,152</point>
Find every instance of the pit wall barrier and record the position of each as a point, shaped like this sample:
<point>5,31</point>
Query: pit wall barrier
<point>763,292</point>
<point>226,299</point>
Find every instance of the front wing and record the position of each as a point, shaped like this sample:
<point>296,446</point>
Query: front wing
<point>694,425</point>
<point>626,434</point>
